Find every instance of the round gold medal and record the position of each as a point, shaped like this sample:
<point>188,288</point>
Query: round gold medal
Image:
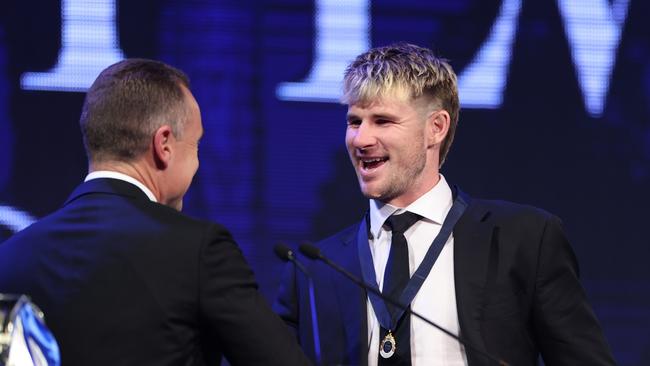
<point>388,346</point>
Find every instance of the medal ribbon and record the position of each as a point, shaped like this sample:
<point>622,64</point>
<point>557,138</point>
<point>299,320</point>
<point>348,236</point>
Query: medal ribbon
<point>423,270</point>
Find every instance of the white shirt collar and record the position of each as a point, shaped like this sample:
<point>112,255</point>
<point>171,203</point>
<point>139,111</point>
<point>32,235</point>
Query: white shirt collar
<point>122,177</point>
<point>432,206</point>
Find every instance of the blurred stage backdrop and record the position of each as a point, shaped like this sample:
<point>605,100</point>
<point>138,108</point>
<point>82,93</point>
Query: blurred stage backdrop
<point>555,97</point>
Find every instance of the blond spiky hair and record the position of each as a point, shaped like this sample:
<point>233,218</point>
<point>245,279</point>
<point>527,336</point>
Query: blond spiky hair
<point>404,71</point>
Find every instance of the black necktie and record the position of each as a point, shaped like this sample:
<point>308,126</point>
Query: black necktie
<point>396,276</point>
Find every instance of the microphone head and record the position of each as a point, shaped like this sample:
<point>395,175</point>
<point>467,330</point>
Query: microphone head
<point>310,251</point>
<point>284,252</point>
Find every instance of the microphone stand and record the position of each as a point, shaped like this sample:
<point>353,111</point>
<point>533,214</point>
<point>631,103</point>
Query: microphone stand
<point>286,254</point>
<point>312,252</point>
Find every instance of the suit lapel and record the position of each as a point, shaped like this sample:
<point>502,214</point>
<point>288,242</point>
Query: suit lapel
<point>351,299</point>
<point>472,243</point>
<point>472,247</point>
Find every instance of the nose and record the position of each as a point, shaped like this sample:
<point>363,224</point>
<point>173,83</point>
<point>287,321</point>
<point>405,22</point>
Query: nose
<point>363,136</point>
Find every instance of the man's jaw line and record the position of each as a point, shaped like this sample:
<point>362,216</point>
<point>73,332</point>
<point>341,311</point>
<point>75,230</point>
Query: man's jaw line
<point>398,197</point>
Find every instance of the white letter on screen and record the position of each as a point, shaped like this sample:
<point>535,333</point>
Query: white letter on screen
<point>593,29</point>
<point>89,44</point>
<point>342,33</point>
<point>14,218</point>
<point>483,81</point>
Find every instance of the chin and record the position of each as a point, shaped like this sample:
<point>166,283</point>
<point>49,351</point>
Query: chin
<point>176,204</point>
<point>370,193</point>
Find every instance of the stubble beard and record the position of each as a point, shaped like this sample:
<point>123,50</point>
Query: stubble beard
<point>399,182</point>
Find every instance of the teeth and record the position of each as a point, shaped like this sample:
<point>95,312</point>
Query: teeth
<point>372,160</point>
<point>368,163</point>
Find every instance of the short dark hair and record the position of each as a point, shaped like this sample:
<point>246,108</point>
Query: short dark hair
<point>127,103</point>
<point>409,71</point>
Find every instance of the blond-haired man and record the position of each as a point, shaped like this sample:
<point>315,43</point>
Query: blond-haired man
<point>501,275</point>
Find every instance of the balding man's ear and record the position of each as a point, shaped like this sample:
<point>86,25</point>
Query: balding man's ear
<point>438,127</point>
<point>162,147</point>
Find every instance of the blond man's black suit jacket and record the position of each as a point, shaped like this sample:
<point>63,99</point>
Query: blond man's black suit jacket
<point>517,293</point>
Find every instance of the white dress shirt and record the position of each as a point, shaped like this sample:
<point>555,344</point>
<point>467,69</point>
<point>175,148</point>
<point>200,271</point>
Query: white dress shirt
<point>122,177</point>
<point>436,299</point>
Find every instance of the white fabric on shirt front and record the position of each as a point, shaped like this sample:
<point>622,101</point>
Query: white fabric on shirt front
<point>436,299</point>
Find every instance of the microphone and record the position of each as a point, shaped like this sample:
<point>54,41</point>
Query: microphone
<point>314,253</point>
<point>287,255</point>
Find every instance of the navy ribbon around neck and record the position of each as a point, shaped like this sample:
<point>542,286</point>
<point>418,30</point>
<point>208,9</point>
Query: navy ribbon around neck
<point>423,270</point>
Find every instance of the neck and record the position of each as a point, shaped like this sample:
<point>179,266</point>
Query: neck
<point>414,194</point>
<point>134,169</point>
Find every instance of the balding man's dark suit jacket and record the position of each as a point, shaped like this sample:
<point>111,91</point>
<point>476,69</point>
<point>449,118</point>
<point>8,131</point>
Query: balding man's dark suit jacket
<point>126,281</point>
<point>517,293</point>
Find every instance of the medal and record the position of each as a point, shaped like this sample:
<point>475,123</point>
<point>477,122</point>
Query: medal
<point>388,346</point>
